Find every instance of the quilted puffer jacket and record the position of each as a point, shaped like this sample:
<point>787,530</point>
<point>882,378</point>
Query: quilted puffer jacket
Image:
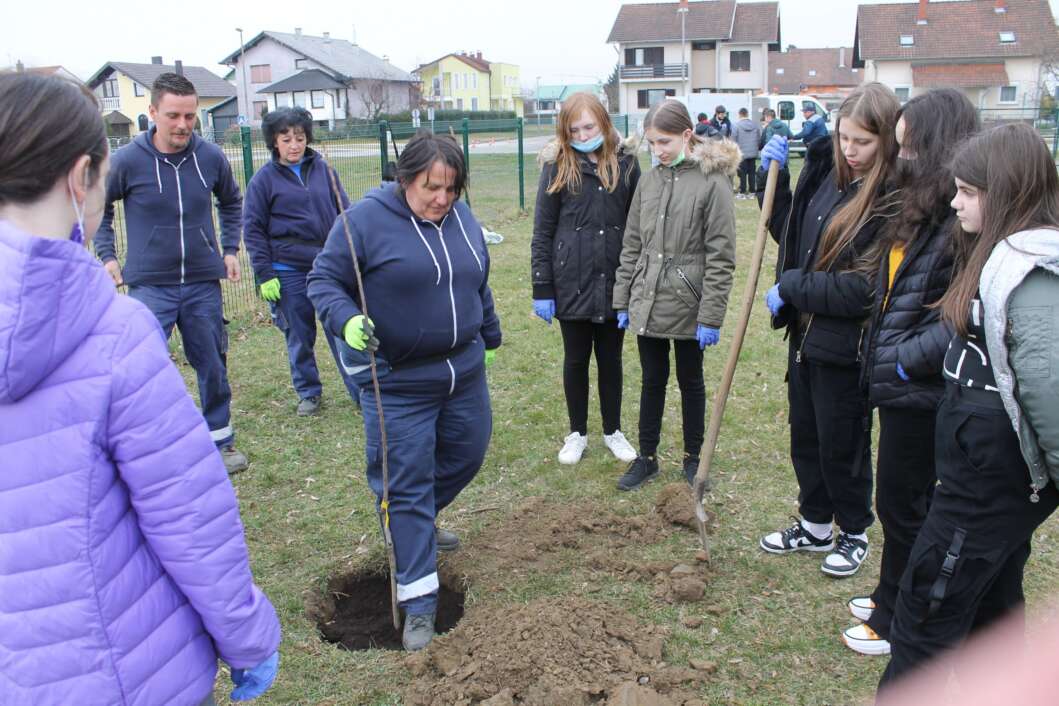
<point>123,569</point>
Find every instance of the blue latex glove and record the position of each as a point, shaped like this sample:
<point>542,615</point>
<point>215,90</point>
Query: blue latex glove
<point>901,372</point>
<point>776,149</point>
<point>623,319</point>
<point>707,336</point>
<point>773,300</point>
<point>545,309</point>
<point>252,683</point>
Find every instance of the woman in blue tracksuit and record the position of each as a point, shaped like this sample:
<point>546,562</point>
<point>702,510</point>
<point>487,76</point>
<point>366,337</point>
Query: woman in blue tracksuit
<point>288,210</point>
<point>426,281</point>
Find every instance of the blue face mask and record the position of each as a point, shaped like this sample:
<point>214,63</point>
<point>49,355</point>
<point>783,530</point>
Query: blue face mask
<point>588,145</point>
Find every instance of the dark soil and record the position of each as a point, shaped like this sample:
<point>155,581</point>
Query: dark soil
<point>355,612</point>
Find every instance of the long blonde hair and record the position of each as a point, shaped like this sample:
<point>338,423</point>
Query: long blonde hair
<point>568,171</point>
<point>874,107</point>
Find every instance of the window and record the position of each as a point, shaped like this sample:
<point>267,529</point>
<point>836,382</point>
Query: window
<point>703,46</point>
<point>474,104</point>
<point>779,71</point>
<point>1007,37</point>
<point>646,56</point>
<point>902,93</point>
<point>301,63</point>
<point>282,100</point>
<point>459,103</point>
<point>260,108</point>
<point>907,40</point>
<point>458,79</point>
<point>739,61</point>
<point>110,88</point>
<point>138,90</point>
<point>1008,94</point>
<point>299,99</point>
<point>261,73</point>
<point>435,85</point>
<point>812,72</point>
<point>647,98</point>
<point>474,81</point>
<point>786,110</point>
<point>317,99</point>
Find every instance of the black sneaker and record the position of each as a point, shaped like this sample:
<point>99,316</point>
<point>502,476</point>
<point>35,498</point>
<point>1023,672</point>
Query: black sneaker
<point>849,554</point>
<point>446,541</point>
<point>643,469</point>
<point>691,469</point>
<point>795,539</point>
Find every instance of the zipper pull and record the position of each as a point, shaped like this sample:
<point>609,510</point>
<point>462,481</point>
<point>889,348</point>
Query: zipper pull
<point>798,356</point>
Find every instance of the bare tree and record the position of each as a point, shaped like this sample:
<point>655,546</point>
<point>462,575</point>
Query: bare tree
<point>375,95</point>
<point>611,88</point>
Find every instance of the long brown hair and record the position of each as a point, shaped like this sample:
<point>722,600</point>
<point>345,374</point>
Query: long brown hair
<point>568,172</point>
<point>1018,190</point>
<point>671,117</point>
<point>874,107</point>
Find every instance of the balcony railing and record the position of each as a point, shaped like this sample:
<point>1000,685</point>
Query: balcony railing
<point>109,104</point>
<point>654,71</point>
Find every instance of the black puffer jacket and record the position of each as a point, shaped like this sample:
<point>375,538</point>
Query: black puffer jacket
<point>577,237</point>
<point>825,311</point>
<point>905,329</point>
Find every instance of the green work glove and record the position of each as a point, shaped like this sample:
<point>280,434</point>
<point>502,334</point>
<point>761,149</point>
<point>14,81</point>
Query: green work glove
<point>359,333</point>
<point>490,356</point>
<point>270,290</point>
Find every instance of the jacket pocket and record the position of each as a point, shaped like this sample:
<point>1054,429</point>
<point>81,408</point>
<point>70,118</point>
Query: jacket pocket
<point>940,584</point>
<point>162,251</point>
<point>206,240</point>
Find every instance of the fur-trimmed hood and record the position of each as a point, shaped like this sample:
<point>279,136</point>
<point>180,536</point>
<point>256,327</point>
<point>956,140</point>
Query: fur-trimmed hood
<point>550,152</point>
<point>717,156</point>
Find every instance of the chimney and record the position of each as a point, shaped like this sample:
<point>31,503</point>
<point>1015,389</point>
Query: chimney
<point>921,18</point>
<point>478,54</point>
<point>298,31</point>
<point>386,58</point>
<point>353,39</point>
<point>19,66</point>
<point>327,37</point>
<point>842,57</point>
<point>1001,7</point>
<point>178,67</point>
<point>156,60</point>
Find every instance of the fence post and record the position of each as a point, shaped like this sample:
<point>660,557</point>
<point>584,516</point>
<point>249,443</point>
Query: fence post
<point>521,169</point>
<point>384,148</point>
<point>248,153</point>
<point>626,124</point>
<point>467,154</point>
<point>1055,134</point>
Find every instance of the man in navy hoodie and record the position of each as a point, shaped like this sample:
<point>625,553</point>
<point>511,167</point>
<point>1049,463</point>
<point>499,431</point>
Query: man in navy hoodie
<point>426,280</point>
<point>167,180</point>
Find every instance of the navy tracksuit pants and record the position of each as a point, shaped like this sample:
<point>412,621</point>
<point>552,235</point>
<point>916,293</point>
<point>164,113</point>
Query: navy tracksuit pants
<point>295,316</point>
<point>197,310</point>
<point>438,425</point>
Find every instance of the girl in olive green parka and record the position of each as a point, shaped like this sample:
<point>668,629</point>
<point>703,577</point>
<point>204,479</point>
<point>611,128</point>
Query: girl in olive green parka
<point>675,274</point>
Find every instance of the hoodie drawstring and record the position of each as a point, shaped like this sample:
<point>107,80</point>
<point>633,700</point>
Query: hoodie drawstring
<point>158,175</point>
<point>195,158</point>
<point>431,251</point>
<point>468,240</point>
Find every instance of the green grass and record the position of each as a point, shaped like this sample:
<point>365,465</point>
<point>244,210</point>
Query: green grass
<point>774,622</point>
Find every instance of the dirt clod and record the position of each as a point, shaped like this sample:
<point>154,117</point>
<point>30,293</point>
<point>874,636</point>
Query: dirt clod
<point>689,589</point>
<point>676,505</point>
<point>631,694</point>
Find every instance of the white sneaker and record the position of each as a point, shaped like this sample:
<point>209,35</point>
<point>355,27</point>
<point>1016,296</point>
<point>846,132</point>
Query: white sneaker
<point>620,447</point>
<point>861,607</point>
<point>866,641</point>
<point>573,448</point>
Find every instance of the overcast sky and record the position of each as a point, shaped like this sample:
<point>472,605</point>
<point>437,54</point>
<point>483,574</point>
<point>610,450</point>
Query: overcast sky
<point>558,40</point>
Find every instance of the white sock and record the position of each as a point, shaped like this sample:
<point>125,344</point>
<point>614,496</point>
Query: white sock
<point>863,536</point>
<point>818,530</point>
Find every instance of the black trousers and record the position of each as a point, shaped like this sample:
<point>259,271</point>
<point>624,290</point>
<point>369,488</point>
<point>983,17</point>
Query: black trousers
<point>654,361</point>
<point>904,485</point>
<point>966,565</point>
<point>580,338</point>
<point>830,443</point>
<point>748,176</point>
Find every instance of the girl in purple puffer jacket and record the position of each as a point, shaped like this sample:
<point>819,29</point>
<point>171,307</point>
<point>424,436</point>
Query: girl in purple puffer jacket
<point>123,569</point>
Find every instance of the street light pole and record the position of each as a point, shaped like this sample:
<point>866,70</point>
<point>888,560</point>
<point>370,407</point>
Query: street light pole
<point>538,96</point>
<point>242,66</point>
<point>682,9</point>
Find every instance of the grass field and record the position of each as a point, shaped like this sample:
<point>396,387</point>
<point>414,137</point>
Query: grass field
<point>773,623</point>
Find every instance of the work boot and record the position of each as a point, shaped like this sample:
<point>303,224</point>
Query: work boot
<point>309,406</point>
<point>234,461</point>
<point>643,469</point>
<point>447,541</point>
<point>418,631</point>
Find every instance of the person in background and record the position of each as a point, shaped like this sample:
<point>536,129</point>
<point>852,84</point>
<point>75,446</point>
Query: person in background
<point>289,209</point>
<point>588,178</point>
<point>425,270</point>
<point>124,573</point>
<point>167,179</point>
<point>814,127</point>
<point>747,135</point>
<point>772,126</point>
<point>721,122</point>
<point>677,260</point>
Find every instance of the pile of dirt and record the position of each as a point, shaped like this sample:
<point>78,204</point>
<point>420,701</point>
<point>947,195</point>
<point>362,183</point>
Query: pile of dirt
<point>676,506</point>
<point>550,651</point>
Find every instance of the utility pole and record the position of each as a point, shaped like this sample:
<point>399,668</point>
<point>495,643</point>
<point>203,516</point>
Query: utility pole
<point>242,67</point>
<point>682,9</point>
<point>538,97</point>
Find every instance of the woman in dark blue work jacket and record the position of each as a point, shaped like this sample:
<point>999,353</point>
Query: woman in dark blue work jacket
<point>426,279</point>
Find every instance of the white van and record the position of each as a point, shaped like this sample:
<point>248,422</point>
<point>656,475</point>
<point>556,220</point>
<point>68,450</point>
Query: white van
<point>789,108</point>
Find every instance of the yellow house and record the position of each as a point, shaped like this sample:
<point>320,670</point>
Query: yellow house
<point>124,93</point>
<point>468,82</point>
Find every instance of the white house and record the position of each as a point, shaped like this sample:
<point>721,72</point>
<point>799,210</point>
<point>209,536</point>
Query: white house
<point>675,48</point>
